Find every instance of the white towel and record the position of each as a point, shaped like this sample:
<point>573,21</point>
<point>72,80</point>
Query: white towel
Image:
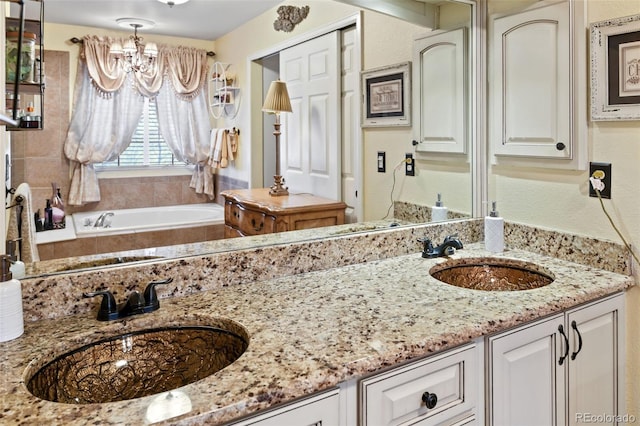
<point>29,246</point>
<point>212,142</point>
<point>215,154</point>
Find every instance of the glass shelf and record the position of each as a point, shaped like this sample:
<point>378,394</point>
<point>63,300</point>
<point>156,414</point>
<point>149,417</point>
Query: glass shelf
<point>24,99</point>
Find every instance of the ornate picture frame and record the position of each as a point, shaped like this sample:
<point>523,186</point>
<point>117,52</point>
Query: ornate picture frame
<point>387,96</point>
<point>615,69</point>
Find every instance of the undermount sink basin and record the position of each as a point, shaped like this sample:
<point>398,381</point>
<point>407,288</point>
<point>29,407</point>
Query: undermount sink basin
<point>492,274</point>
<point>138,364</point>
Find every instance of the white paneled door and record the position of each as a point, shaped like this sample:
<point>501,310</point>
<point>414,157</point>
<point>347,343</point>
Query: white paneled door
<point>351,148</point>
<point>311,139</point>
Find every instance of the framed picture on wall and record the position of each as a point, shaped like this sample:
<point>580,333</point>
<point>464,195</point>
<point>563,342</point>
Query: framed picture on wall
<point>387,96</point>
<point>615,69</point>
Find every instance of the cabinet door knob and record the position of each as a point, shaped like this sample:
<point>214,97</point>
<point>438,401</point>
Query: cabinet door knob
<point>575,328</point>
<point>560,146</point>
<point>430,399</point>
<point>566,345</point>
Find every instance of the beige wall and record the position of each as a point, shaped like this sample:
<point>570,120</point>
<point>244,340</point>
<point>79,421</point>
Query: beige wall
<point>559,200</point>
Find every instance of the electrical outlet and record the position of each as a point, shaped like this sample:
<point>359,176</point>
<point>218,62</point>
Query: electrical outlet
<point>382,162</point>
<point>604,170</point>
<point>409,165</point>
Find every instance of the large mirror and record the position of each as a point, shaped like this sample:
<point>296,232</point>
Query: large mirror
<point>380,24</point>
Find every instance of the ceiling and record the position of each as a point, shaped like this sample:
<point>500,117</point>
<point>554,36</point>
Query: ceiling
<point>198,19</point>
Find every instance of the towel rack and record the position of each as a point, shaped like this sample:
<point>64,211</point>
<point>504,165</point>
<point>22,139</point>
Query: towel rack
<point>233,130</point>
<point>19,199</point>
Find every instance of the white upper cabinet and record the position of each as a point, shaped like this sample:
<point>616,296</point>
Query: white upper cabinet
<point>440,92</point>
<point>537,86</point>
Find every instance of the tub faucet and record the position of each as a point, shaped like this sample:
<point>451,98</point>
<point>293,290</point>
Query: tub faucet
<point>100,220</point>
<point>450,244</point>
<point>136,303</point>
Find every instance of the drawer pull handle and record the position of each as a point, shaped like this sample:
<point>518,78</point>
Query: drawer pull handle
<point>575,327</point>
<point>566,345</point>
<point>430,399</point>
<point>256,228</point>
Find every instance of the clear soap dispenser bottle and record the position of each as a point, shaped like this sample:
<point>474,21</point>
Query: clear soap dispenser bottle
<point>494,231</point>
<point>11,319</point>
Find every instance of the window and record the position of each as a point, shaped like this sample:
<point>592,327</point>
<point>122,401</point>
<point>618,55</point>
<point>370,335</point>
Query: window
<point>147,147</point>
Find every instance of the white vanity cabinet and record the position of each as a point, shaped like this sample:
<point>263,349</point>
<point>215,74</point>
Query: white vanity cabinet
<point>443,389</point>
<point>559,370</point>
<point>322,409</point>
<point>536,86</point>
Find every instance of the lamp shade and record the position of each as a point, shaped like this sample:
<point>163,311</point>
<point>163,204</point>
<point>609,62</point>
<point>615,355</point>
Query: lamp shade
<point>116,48</point>
<point>151,49</point>
<point>129,47</point>
<point>277,100</point>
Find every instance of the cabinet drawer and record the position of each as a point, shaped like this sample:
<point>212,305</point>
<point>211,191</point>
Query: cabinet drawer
<point>231,232</point>
<point>249,222</point>
<point>231,214</point>
<point>319,410</point>
<point>431,391</point>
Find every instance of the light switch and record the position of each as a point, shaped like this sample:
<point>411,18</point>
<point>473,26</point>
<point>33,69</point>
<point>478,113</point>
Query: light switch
<point>382,166</point>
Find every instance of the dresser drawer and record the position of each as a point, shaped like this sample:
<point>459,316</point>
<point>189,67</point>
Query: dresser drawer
<point>436,390</point>
<point>252,222</point>
<point>231,214</point>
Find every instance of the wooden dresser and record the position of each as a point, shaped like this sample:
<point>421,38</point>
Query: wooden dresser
<point>255,212</point>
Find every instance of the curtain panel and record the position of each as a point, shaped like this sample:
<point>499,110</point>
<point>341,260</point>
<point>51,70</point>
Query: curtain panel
<point>108,105</point>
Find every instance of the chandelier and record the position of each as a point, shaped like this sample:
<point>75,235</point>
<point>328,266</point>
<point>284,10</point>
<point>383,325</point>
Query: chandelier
<point>133,55</point>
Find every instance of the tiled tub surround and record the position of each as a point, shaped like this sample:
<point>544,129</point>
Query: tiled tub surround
<point>308,332</point>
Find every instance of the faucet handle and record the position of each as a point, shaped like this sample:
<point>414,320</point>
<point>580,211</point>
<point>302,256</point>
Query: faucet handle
<point>150,295</point>
<point>427,247</point>
<point>108,308</point>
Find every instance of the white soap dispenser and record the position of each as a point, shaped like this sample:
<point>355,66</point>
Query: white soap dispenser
<point>494,231</point>
<point>439,211</point>
<point>11,319</point>
<point>17,267</point>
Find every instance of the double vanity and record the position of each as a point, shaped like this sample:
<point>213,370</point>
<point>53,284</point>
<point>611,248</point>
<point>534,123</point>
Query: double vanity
<point>340,330</point>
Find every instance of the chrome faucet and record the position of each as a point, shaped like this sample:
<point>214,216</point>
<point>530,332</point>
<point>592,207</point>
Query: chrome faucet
<point>449,246</point>
<point>100,220</point>
<point>136,303</point>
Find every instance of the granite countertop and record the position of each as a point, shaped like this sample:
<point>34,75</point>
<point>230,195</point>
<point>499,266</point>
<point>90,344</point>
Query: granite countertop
<point>308,332</point>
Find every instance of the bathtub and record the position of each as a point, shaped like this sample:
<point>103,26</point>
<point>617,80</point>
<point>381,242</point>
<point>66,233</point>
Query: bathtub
<point>129,221</point>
